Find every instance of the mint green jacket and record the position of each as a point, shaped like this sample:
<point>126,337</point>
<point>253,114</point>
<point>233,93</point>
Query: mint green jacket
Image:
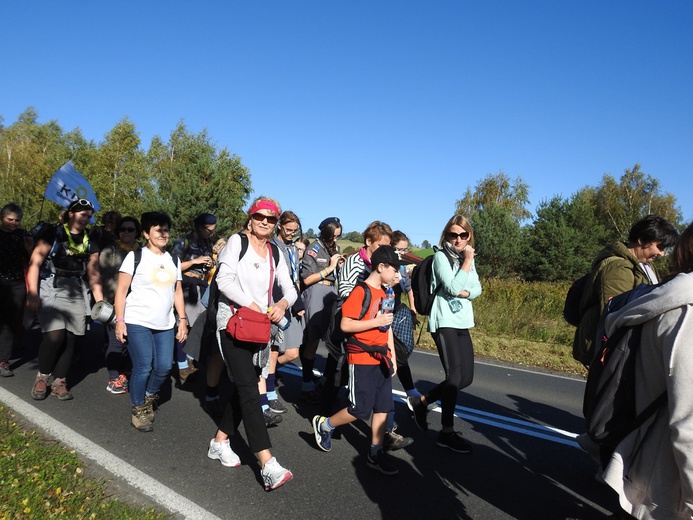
<point>446,284</point>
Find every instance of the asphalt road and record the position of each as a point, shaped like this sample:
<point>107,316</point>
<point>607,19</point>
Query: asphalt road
<point>522,423</point>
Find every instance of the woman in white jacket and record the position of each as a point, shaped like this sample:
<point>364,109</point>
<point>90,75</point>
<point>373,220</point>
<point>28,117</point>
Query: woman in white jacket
<point>652,468</point>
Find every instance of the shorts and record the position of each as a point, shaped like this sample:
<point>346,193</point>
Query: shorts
<point>370,391</point>
<point>293,336</point>
<point>318,300</point>
<point>62,307</point>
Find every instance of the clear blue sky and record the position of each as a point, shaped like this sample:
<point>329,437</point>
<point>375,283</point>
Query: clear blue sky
<point>375,110</point>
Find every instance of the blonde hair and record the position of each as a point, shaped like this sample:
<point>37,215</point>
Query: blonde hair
<point>457,220</point>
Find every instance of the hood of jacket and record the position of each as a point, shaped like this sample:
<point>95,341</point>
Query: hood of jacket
<point>618,249</point>
<point>675,293</point>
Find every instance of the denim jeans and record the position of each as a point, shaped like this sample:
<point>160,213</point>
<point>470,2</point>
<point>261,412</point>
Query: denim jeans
<point>151,352</point>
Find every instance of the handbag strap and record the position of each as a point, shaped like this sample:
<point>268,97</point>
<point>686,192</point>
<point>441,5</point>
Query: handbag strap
<point>271,283</point>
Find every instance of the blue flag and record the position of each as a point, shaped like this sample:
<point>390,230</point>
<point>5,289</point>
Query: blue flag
<point>68,185</point>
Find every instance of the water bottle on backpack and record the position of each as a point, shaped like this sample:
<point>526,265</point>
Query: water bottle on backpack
<point>388,305</point>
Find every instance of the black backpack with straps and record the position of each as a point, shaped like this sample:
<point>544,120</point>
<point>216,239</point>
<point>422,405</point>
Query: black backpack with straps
<point>334,337</point>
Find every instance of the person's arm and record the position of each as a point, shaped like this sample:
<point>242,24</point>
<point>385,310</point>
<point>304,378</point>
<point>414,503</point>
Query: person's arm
<point>124,281</point>
<point>348,275</point>
<point>393,353</point>
<point>352,325</point>
<point>314,278</point>
<point>38,256</point>
<point>615,278</point>
<point>452,283</point>
<point>289,294</point>
<point>94,276</point>
<point>179,305</point>
<point>228,273</point>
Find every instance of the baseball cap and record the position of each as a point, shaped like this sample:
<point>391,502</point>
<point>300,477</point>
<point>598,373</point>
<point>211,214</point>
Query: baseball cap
<point>387,255</point>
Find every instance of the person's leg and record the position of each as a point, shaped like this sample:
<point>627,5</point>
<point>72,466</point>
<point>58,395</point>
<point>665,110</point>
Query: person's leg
<point>50,349</point>
<point>12,295</point>
<point>141,349</point>
<point>459,352</point>
<point>163,359</point>
<point>114,353</point>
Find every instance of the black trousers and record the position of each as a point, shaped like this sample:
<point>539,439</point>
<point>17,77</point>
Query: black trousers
<point>12,295</point>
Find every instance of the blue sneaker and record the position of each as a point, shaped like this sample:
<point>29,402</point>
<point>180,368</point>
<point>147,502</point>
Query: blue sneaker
<point>322,438</point>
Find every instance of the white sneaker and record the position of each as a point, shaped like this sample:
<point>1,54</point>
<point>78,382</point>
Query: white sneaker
<point>222,452</point>
<point>274,475</point>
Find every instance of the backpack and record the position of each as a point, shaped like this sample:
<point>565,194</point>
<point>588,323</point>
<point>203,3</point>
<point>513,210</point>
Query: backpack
<point>334,337</point>
<point>571,308</point>
<point>138,259</point>
<point>609,402</point>
<point>421,278</point>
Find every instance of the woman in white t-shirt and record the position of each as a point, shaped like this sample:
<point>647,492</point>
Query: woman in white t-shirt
<point>147,293</point>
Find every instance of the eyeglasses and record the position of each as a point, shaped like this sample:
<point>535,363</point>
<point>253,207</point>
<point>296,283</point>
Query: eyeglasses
<point>127,230</point>
<point>259,217</point>
<point>454,236</point>
<point>290,231</point>
<point>210,229</point>
<point>402,249</point>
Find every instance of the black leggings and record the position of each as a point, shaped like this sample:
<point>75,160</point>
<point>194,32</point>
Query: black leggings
<point>55,352</point>
<point>457,356</point>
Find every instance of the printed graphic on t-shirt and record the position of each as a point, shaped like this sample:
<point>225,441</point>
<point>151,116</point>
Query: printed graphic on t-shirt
<point>162,276</point>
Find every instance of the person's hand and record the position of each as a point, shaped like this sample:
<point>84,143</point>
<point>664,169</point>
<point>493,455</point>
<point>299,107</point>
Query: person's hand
<point>414,317</point>
<point>300,313</point>
<point>468,252</point>
<point>121,331</point>
<point>33,302</point>
<point>335,261</point>
<point>205,261</point>
<point>255,307</point>
<point>384,319</point>
<point>276,312</point>
<point>182,334</point>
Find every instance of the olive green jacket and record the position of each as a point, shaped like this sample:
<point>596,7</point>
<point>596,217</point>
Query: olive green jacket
<point>614,271</point>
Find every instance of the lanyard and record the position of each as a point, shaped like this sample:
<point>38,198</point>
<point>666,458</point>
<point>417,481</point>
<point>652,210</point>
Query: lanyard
<point>74,249</point>
<point>293,253</point>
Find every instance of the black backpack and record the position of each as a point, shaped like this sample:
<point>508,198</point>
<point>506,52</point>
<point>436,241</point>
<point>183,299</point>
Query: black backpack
<point>334,337</point>
<point>609,402</point>
<point>421,278</point>
<point>571,308</point>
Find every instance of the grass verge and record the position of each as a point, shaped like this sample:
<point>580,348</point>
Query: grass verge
<point>41,479</point>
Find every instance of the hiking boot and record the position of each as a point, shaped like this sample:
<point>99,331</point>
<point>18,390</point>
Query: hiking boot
<point>141,419</point>
<point>454,442</point>
<point>276,406</point>
<point>394,441</point>
<point>323,436</point>
<point>311,396</point>
<point>118,386</point>
<point>420,410</point>
<point>382,462</point>
<point>150,403</point>
<point>5,369</point>
<point>222,452</point>
<point>185,373</point>
<point>271,418</point>
<point>59,389</point>
<point>40,388</point>
<point>274,475</point>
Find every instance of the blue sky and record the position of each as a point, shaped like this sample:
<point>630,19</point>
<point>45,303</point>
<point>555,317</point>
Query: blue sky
<point>375,110</point>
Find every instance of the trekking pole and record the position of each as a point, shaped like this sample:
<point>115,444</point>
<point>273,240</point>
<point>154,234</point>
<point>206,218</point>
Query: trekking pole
<point>418,340</point>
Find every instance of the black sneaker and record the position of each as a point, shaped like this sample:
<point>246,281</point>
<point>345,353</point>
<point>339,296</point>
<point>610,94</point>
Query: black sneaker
<point>382,462</point>
<point>271,418</point>
<point>454,442</point>
<point>276,406</point>
<point>394,441</point>
<point>420,410</point>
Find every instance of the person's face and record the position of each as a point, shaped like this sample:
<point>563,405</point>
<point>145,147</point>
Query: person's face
<point>458,237</point>
<point>337,236</point>
<point>158,236</point>
<point>402,247</point>
<point>80,219</point>
<point>389,275</point>
<point>262,223</point>
<point>301,250</point>
<point>109,224</point>
<point>127,232</point>
<point>288,231</point>
<point>11,222</point>
<point>208,230</point>
<point>371,247</point>
<point>648,252</point>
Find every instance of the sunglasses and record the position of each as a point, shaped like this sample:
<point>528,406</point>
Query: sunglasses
<point>127,230</point>
<point>259,217</point>
<point>454,236</point>
<point>83,203</point>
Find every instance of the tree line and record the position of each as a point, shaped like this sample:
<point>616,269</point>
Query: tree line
<point>188,174</point>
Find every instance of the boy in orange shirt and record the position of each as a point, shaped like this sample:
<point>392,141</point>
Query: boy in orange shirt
<point>372,362</point>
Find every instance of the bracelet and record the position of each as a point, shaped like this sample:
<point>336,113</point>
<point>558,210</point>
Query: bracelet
<point>183,318</point>
<point>120,320</point>
<point>322,274</point>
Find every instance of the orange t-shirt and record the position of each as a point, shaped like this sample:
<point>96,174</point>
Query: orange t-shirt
<point>352,309</point>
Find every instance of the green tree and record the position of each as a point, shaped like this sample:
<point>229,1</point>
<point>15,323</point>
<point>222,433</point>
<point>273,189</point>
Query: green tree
<point>619,204</point>
<point>426,244</point>
<point>498,190</point>
<point>353,236</point>
<point>310,234</point>
<point>497,236</point>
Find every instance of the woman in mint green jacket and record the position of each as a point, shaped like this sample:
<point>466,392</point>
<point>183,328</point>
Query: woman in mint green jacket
<point>455,284</point>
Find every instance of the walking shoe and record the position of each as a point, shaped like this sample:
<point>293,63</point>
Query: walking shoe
<point>150,403</point>
<point>394,441</point>
<point>40,388</point>
<point>140,418</point>
<point>453,441</point>
<point>323,436</point>
<point>420,411</point>
<point>222,452</point>
<point>124,379</point>
<point>117,386</point>
<point>382,462</point>
<point>271,418</point>
<point>274,475</point>
<point>185,373</point>
<point>59,389</point>
<point>310,396</point>
<point>277,406</point>
<point>5,369</point>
